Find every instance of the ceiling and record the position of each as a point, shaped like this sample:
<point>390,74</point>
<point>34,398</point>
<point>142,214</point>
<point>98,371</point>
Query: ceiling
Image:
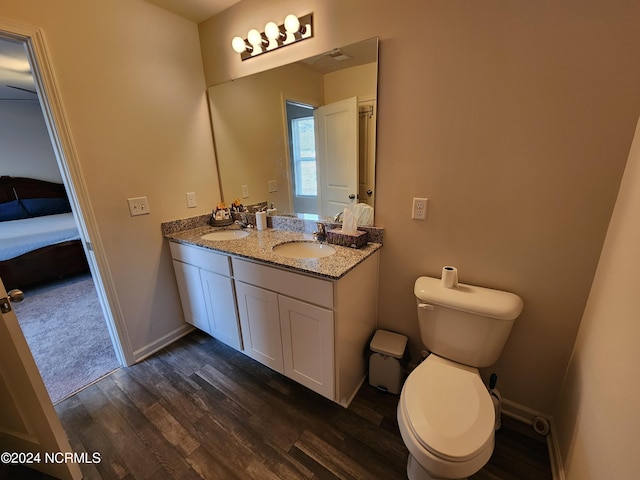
<point>194,10</point>
<point>16,81</point>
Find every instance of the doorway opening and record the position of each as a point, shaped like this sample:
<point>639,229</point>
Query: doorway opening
<point>67,322</point>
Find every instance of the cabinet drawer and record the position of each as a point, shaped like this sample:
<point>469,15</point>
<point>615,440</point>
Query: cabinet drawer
<point>302,287</point>
<point>201,257</point>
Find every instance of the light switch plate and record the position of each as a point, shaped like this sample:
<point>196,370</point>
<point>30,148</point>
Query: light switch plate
<point>138,206</point>
<point>245,191</point>
<point>273,186</point>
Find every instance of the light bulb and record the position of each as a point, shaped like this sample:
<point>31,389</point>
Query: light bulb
<point>238,44</point>
<point>291,24</point>
<point>272,31</point>
<point>254,37</point>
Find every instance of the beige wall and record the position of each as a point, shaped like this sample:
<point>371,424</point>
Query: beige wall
<point>515,121</point>
<point>597,416</point>
<point>360,81</point>
<point>132,86</point>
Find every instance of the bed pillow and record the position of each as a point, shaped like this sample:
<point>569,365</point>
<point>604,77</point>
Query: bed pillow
<point>38,207</point>
<point>12,211</point>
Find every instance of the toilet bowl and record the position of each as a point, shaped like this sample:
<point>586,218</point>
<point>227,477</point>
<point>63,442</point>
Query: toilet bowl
<point>446,419</point>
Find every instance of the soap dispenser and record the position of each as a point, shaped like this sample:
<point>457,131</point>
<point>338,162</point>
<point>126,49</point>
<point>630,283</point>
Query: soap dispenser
<point>271,211</point>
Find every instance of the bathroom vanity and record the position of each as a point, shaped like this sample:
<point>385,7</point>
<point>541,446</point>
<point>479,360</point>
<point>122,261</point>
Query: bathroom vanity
<point>310,319</point>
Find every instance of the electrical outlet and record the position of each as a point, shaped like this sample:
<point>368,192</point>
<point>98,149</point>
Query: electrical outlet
<point>273,186</point>
<point>419,211</point>
<point>138,206</point>
<point>191,200</point>
<point>245,191</point>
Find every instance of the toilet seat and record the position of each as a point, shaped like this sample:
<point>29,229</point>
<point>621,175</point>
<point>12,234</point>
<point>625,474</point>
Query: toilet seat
<point>448,408</point>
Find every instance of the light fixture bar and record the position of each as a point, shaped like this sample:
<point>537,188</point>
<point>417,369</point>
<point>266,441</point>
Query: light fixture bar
<point>293,30</point>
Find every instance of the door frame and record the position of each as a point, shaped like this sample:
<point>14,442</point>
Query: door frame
<point>72,178</point>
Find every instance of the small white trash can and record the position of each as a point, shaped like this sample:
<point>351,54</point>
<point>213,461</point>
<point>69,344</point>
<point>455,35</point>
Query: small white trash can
<point>386,371</point>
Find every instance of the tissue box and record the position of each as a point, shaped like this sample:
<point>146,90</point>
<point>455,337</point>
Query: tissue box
<point>357,240</point>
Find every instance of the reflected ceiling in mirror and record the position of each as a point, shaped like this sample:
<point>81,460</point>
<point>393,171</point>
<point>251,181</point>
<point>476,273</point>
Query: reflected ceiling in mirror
<point>269,150</point>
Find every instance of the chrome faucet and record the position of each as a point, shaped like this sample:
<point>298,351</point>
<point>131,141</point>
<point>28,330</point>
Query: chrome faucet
<point>321,233</point>
<point>338,217</point>
<point>244,221</point>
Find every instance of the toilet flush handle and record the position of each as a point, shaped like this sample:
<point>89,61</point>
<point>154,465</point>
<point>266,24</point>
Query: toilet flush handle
<point>426,306</point>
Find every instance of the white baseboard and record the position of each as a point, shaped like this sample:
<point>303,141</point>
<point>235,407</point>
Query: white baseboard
<point>162,342</point>
<point>527,415</point>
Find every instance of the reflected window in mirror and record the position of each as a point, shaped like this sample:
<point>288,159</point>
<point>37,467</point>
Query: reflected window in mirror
<point>302,148</point>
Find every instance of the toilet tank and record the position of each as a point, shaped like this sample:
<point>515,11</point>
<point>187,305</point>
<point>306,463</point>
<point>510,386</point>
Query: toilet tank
<point>466,324</point>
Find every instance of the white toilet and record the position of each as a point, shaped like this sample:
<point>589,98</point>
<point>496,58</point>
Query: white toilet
<point>445,414</point>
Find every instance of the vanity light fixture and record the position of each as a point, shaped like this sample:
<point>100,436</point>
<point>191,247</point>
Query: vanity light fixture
<point>293,30</point>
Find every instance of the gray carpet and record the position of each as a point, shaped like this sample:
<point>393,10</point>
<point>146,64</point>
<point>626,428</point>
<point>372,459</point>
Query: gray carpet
<point>67,334</point>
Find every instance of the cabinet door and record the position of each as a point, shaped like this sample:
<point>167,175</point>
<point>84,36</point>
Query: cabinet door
<point>258,309</point>
<point>221,308</point>
<point>307,345</point>
<point>190,289</point>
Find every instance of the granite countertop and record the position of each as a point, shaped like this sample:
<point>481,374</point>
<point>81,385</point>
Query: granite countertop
<point>258,246</point>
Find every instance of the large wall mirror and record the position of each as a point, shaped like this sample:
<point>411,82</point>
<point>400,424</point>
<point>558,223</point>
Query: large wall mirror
<point>300,136</point>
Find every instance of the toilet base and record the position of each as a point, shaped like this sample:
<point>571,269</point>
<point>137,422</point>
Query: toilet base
<point>416,472</point>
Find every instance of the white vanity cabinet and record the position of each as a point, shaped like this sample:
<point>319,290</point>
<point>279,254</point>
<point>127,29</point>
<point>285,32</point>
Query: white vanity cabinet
<point>206,291</point>
<point>313,330</point>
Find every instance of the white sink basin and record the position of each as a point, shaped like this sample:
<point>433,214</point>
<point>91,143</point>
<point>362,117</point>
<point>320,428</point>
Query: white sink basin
<point>225,235</point>
<point>304,249</point>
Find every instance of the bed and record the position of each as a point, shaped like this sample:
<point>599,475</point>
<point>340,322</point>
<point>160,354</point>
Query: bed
<point>39,239</point>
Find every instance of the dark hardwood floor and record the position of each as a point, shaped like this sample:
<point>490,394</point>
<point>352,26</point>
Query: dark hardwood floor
<point>198,409</point>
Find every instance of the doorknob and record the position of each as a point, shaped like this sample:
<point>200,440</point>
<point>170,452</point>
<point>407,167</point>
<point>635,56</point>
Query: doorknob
<point>369,192</point>
<point>15,295</point>
<point>352,196</point>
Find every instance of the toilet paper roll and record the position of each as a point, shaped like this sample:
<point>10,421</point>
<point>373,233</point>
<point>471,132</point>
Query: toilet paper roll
<point>261,220</point>
<point>449,277</point>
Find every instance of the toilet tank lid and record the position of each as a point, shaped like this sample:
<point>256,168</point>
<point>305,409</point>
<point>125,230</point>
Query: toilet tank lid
<point>469,298</point>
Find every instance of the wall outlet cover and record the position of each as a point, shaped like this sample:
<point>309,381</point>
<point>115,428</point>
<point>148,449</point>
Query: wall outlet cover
<point>191,200</point>
<point>419,210</point>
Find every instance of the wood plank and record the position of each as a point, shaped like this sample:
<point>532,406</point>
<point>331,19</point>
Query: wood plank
<point>339,464</point>
<point>76,418</point>
<point>171,429</point>
<point>115,428</point>
<point>209,467</point>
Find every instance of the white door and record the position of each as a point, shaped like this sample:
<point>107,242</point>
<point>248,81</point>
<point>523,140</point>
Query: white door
<point>337,155</point>
<point>30,431</point>
<point>191,295</point>
<point>221,308</point>
<point>260,325</point>
<point>307,344</point>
